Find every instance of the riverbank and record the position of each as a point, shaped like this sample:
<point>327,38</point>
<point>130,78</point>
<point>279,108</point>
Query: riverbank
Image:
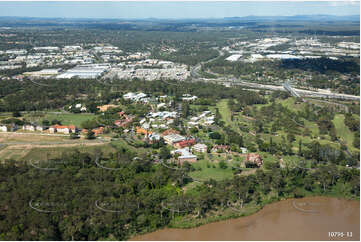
<point>331,213</point>
<point>234,212</point>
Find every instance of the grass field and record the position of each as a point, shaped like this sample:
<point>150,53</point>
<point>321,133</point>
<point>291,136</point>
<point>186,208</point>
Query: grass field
<point>207,173</point>
<point>56,152</point>
<point>65,118</point>
<point>224,111</point>
<point>343,131</point>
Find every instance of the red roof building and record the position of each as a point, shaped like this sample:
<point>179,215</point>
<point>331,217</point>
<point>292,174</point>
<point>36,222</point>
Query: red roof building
<point>169,131</point>
<point>184,143</point>
<point>255,159</point>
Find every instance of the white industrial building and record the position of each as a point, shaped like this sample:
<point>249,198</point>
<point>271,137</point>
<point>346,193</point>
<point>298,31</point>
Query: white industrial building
<point>85,71</point>
<point>234,57</point>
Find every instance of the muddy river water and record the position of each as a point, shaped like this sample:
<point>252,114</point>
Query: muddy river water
<point>313,218</point>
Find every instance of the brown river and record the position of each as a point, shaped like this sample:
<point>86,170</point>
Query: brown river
<point>312,218</point>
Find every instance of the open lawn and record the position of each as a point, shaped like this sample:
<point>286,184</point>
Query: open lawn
<point>343,131</point>
<point>208,171</point>
<point>65,118</point>
<point>56,152</point>
<point>291,104</point>
<point>226,114</point>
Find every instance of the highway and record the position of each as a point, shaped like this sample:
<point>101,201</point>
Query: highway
<point>286,87</point>
<point>299,92</point>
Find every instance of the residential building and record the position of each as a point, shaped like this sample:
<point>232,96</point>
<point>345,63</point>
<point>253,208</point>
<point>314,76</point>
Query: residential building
<point>170,131</point>
<point>200,148</point>
<point>153,137</point>
<point>185,155</point>
<point>173,138</point>
<point>62,129</point>
<point>41,128</point>
<point>255,159</point>
<point>96,131</point>
<point>143,131</point>
<point>221,148</point>
<point>106,107</point>
<point>29,127</point>
<point>184,143</point>
<point>244,150</point>
<point>3,128</point>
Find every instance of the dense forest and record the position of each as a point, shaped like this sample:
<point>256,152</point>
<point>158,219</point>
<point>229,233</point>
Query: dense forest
<point>86,197</point>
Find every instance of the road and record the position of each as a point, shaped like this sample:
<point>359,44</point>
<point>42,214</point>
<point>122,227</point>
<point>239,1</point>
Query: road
<point>301,92</point>
<point>196,69</point>
<point>237,82</point>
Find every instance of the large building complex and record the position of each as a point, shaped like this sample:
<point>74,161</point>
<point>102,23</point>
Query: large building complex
<point>85,71</point>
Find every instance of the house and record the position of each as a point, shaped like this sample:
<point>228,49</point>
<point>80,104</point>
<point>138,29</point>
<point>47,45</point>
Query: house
<point>244,150</point>
<point>153,137</point>
<point>221,148</point>
<point>173,138</point>
<point>123,123</point>
<point>3,128</point>
<point>143,131</point>
<point>184,143</point>
<point>41,128</point>
<point>208,123</point>
<point>188,97</point>
<point>129,95</point>
<point>96,131</point>
<point>145,125</point>
<point>62,129</point>
<point>190,123</point>
<point>161,105</point>
<point>106,107</point>
<point>134,97</point>
<point>200,148</point>
<point>170,131</point>
<point>185,155</point>
<point>255,159</point>
<point>29,127</point>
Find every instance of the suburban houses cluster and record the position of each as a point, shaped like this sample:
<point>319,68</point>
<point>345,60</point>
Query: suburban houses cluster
<point>63,129</point>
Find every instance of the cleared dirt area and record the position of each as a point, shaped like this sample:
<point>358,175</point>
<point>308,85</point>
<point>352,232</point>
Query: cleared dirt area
<point>18,145</point>
<point>30,137</point>
<point>17,152</point>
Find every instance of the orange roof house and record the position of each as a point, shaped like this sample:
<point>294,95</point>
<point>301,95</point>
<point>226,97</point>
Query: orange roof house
<point>106,107</point>
<point>96,131</point>
<point>143,131</point>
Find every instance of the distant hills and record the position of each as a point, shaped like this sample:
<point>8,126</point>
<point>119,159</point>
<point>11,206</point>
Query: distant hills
<point>245,18</point>
<point>320,24</point>
<point>300,18</point>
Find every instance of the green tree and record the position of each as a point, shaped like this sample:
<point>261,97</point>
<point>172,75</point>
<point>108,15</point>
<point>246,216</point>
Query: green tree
<point>90,135</point>
<point>164,153</point>
<point>223,165</point>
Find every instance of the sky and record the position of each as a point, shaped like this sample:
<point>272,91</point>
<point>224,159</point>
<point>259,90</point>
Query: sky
<point>175,10</point>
